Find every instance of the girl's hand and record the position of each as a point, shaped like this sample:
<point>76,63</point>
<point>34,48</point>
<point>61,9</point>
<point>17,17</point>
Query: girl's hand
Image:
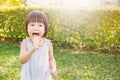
<point>37,41</point>
<point>54,72</point>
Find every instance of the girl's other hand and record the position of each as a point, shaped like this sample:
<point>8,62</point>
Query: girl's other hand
<point>54,72</point>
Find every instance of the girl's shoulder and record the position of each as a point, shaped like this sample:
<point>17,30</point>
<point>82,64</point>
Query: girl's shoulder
<point>48,41</point>
<point>25,40</point>
<point>23,43</point>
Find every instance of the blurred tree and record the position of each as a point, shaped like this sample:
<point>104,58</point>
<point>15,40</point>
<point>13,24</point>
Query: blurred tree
<point>7,3</point>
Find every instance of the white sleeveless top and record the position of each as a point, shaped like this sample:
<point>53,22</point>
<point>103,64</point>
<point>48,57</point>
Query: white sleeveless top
<point>37,67</point>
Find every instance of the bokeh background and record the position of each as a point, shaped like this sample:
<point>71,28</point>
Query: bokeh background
<point>85,35</point>
<point>76,24</point>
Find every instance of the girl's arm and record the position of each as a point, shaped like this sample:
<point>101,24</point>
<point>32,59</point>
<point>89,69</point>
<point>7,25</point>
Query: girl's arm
<point>52,61</point>
<point>24,54</point>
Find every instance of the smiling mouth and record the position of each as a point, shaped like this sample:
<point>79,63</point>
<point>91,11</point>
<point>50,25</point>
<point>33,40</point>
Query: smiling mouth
<point>35,34</point>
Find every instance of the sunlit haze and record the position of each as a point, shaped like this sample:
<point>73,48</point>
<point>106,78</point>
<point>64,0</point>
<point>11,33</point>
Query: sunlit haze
<point>64,3</point>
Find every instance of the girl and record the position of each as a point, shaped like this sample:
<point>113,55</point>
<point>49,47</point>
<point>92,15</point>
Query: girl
<point>36,52</point>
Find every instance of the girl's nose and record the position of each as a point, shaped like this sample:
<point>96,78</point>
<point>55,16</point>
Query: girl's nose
<point>36,28</point>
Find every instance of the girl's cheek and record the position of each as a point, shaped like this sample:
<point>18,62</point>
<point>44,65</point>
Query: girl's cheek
<point>29,32</point>
<point>42,31</point>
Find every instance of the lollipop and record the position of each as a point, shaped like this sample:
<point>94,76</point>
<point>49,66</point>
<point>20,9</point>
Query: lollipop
<point>37,39</point>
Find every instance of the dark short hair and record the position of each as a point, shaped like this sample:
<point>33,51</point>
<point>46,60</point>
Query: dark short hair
<point>37,16</point>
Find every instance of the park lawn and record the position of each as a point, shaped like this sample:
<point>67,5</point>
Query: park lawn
<point>71,65</point>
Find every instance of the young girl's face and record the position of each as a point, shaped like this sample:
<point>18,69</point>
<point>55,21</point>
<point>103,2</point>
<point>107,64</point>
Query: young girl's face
<point>36,29</point>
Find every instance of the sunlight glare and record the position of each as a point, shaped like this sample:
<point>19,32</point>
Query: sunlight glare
<point>78,3</point>
<point>64,3</point>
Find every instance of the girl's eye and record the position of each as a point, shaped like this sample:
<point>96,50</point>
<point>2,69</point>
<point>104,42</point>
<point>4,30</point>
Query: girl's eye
<point>40,25</point>
<point>32,25</point>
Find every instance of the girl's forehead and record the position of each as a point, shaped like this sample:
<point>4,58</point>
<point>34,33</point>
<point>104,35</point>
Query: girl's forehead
<point>35,23</point>
<point>35,19</point>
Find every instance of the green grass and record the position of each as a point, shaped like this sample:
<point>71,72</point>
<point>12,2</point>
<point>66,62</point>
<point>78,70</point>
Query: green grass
<point>71,65</point>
